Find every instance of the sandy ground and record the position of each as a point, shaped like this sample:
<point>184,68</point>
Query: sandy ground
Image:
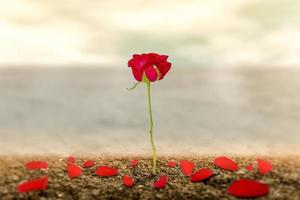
<point>284,180</point>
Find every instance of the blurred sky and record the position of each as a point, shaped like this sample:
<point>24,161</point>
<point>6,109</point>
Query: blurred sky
<point>193,32</point>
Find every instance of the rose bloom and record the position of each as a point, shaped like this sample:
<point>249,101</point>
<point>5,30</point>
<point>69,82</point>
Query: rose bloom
<point>152,65</point>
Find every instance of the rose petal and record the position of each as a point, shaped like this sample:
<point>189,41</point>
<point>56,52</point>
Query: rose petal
<point>171,164</point>
<point>249,168</point>
<point>248,188</point>
<point>136,74</point>
<point>163,68</point>
<point>88,163</point>
<point>138,61</point>
<point>71,159</point>
<point>127,181</point>
<point>201,175</point>
<point>264,167</point>
<point>161,182</point>
<point>137,64</point>
<point>134,163</point>
<point>33,185</point>
<point>151,74</point>
<point>226,163</point>
<point>187,167</point>
<point>73,170</point>
<point>106,171</point>
<point>36,165</point>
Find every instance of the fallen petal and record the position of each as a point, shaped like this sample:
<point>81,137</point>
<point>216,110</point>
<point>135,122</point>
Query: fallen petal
<point>88,163</point>
<point>36,165</point>
<point>263,166</point>
<point>201,175</point>
<point>248,188</point>
<point>134,163</point>
<point>34,185</point>
<point>249,168</point>
<point>161,182</point>
<point>106,171</point>
<point>171,164</point>
<point>226,163</point>
<point>187,167</point>
<point>127,181</point>
<point>73,170</point>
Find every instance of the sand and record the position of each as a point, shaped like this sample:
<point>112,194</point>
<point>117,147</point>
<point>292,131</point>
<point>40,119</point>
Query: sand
<point>284,180</point>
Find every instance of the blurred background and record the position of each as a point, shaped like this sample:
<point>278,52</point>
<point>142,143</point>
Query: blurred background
<point>233,88</point>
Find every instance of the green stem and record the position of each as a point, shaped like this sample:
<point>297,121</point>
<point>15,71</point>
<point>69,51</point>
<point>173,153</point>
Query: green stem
<point>151,130</point>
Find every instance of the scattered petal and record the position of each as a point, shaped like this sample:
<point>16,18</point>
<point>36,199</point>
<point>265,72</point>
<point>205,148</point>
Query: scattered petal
<point>171,164</point>
<point>161,182</point>
<point>134,163</point>
<point>248,188</point>
<point>187,167</point>
<point>37,164</point>
<point>88,163</point>
<point>73,170</point>
<point>106,171</point>
<point>226,163</point>
<point>264,167</point>
<point>33,185</point>
<point>71,159</point>
<point>127,181</point>
<point>201,174</point>
<point>249,168</point>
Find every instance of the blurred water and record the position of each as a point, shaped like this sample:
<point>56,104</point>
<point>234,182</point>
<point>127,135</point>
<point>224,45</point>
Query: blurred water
<point>196,111</point>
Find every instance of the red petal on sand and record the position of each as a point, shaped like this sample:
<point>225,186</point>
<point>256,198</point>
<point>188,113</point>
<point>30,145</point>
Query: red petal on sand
<point>134,163</point>
<point>88,163</point>
<point>127,181</point>
<point>71,159</point>
<point>226,163</point>
<point>171,164</point>
<point>161,182</point>
<point>34,185</point>
<point>106,171</point>
<point>248,188</point>
<point>201,175</point>
<point>36,165</point>
<point>73,170</point>
<point>249,168</point>
<point>187,167</point>
<point>264,167</point>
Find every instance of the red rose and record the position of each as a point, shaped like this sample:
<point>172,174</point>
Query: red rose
<point>149,68</point>
<point>152,65</point>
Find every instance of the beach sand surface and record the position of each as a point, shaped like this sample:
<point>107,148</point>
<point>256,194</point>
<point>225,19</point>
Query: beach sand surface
<point>283,180</point>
